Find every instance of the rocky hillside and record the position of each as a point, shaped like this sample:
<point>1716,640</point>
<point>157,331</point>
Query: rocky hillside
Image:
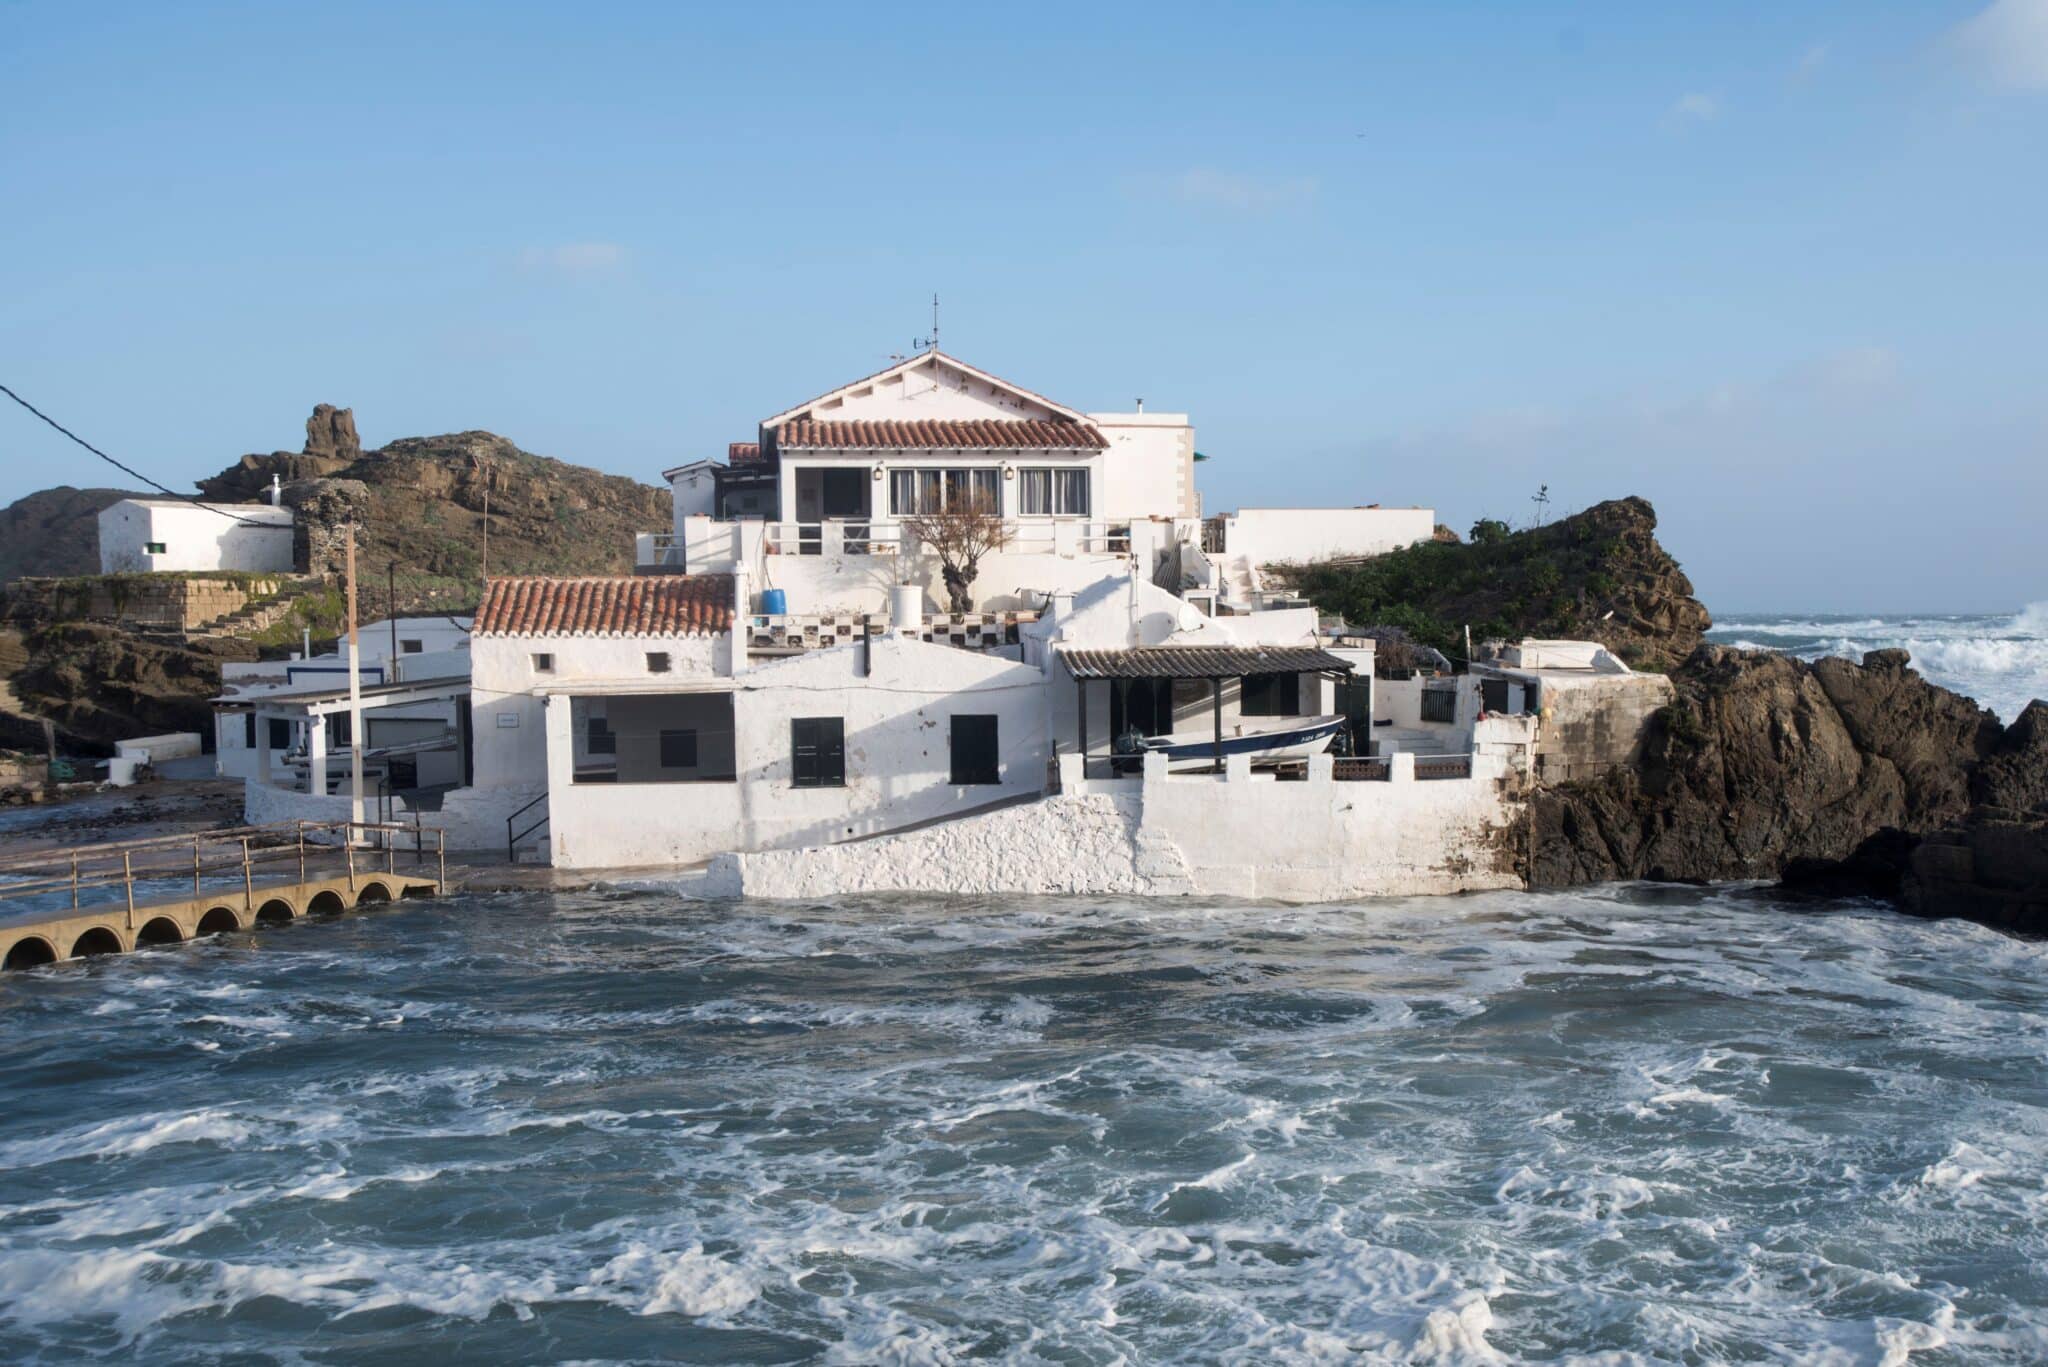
<point>53,531</point>
<point>419,503</point>
<point>419,506</point>
<point>1596,575</point>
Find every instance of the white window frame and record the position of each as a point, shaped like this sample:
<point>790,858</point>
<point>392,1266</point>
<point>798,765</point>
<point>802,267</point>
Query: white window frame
<point>1060,484</point>
<point>948,482</point>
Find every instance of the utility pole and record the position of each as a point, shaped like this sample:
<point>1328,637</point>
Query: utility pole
<point>391,604</point>
<point>355,698</point>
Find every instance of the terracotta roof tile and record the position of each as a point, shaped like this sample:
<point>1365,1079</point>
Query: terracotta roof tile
<point>613,605</point>
<point>740,452</point>
<point>990,434</point>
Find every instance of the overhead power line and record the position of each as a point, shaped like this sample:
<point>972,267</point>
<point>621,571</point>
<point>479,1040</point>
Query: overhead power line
<point>128,469</point>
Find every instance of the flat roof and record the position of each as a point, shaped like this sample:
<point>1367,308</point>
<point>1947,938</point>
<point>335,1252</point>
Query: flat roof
<point>1200,662</point>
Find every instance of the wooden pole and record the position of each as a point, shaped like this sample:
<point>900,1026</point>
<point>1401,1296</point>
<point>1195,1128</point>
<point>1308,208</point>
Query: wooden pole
<point>1216,700</point>
<point>195,868</point>
<point>128,881</point>
<point>74,882</point>
<point>355,698</point>
<point>441,854</point>
<point>1081,703</point>
<point>349,846</point>
<point>248,880</point>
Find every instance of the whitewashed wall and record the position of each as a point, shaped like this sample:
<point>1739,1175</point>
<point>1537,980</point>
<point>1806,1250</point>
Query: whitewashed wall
<point>1235,836</point>
<point>506,689</point>
<point>898,758</point>
<point>1149,469</point>
<point>193,538</point>
<point>1266,536</point>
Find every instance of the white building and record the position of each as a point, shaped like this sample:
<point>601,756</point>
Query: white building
<point>812,508</point>
<point>283,724</point>
<point>774,694</point>
<point>144,535</point>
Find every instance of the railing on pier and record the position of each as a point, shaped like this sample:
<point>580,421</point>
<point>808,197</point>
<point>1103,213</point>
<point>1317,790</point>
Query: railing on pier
<point>325,848</point>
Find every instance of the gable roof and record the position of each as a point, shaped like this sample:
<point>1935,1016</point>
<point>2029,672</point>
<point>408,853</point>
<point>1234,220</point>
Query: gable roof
<point>931,359</point>
<point>807,434</point>
<point>607,605</point>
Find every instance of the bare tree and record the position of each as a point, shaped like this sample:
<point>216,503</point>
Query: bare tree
<point>960,536</point>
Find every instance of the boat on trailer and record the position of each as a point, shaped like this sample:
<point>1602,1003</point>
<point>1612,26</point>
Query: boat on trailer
<point>1292,738</point>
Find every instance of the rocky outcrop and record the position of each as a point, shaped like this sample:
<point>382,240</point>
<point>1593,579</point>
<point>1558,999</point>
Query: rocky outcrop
<point>1992,866</point>
<point>103,683</point>
<point>1766,764</point>
<point>1596,575</point>
<point>331,433</point>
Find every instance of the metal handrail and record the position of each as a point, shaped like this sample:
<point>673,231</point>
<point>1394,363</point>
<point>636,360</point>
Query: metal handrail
<point>511,840</point>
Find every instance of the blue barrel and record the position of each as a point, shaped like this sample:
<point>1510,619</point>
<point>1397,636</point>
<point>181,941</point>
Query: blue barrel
<point>774,603</point>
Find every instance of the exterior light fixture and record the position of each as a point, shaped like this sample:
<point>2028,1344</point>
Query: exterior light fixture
<point>878,474</point>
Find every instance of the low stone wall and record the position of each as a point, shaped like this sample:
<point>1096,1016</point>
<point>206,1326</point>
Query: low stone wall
<point>174,602</point>
<point>1236,835</point>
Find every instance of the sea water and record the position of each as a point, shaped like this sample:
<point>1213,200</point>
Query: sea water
<point>2000,659</point>
<point>1624,1125</point>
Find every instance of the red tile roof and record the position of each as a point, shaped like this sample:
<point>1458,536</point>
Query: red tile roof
<point>992,434</point>
<point>613,605</point>
<point>740,452</point>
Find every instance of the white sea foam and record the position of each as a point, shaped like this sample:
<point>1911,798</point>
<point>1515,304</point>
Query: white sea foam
<point>1492,1129</point>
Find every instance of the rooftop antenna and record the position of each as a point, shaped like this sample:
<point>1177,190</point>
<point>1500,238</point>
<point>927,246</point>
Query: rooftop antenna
<point>930,343</point>
<point>1542,502</point>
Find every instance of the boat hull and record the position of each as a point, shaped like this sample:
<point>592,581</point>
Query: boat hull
<point>1312,735</point>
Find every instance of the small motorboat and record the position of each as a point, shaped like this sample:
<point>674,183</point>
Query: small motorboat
<point>1288,738</point>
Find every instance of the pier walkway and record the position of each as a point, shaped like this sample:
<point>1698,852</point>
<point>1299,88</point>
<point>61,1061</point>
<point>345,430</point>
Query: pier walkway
<point>112,898</point>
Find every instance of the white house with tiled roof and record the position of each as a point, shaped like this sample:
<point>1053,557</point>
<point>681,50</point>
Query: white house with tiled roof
<point>813,507</point>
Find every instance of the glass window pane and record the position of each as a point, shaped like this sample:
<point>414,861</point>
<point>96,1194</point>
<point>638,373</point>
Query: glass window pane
<point>1034,492</point>
<point>902,492</point>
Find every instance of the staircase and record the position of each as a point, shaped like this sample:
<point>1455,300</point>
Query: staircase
<point>258,613</point>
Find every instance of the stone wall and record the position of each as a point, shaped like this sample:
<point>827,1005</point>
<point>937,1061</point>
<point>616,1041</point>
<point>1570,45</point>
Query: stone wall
<point>172,602</point>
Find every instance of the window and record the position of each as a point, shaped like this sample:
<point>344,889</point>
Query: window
<point>914,492</point>
<point>337,729</point>
<point>411,647</point>
<point>280,734</point>
<point>1440,704</point>
<point>679,749</point>
<point>543,664</point>
<point>657,662</point>
<point>1047,491</point>
<point>153,547</point>
<point>653,738</point>
<point>1271,695</point>
<point>248,730</point>
<point>817,752</point>
<point>974,750</point>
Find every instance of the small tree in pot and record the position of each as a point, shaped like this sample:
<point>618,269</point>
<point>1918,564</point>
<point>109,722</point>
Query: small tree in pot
<point>960,536</point>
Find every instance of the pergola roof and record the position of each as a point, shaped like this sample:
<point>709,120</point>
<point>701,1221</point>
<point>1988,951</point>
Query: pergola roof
<point>1200,662</point>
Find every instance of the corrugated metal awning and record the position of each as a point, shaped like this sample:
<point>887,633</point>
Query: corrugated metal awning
<point>1200,662</point>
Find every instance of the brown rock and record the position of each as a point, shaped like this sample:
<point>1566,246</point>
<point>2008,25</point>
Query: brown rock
<point>331,432</point>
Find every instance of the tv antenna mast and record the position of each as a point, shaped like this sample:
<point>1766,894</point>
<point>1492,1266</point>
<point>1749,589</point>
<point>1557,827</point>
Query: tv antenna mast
<point>930,343</point>
<point>1542,502</point>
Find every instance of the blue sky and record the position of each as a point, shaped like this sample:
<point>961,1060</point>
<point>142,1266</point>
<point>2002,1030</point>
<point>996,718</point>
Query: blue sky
<point>1779,268</point>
